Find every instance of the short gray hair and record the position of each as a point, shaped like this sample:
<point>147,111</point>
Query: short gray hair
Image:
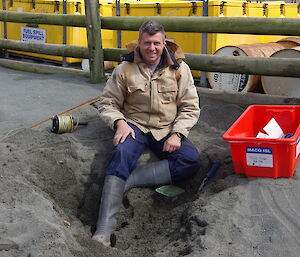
<point>151,28</point>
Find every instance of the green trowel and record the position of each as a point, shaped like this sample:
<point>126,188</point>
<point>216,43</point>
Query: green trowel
<point>169,191</point>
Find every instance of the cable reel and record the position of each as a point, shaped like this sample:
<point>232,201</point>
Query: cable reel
<point>65,123</point>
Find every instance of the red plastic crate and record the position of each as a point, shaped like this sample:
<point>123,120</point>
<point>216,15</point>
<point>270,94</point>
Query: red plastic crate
<point>265,157</point>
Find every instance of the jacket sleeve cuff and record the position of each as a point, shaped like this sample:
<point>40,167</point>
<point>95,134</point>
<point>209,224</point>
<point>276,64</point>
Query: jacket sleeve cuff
<point>184,133</point>
<point>115,125</point>
<point>112,122</point>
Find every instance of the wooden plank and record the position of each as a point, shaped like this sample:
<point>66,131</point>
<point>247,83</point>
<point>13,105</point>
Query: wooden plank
<point>43,18</point>
<point>283,67</point>
<point>245,98</point>
<point>93,28</point>
<point>114,54</point>
<point>40,68</point>
<point>231,25</point>
<point>88,102</point>
<point>50,49</point>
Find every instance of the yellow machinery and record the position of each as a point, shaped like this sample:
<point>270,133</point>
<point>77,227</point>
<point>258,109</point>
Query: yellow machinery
<point>50,33</point>
<point>190,42</point>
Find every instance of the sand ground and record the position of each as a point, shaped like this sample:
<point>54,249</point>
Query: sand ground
<point>51,186</point>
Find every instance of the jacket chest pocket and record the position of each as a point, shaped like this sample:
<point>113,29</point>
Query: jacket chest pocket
<point>137,93</point>
<point>136,84</point>
<point>167,93</point>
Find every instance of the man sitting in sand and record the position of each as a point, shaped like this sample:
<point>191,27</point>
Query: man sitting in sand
<point>150,101</point>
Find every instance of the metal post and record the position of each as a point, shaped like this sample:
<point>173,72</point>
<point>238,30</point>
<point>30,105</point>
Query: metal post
<point>93,28</point>
<point>4,28</point>
<point>64,59</point>
<point>118,13</point>
<point>203,81</point>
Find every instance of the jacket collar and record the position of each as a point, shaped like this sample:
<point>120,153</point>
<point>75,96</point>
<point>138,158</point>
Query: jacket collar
<point>172,55</point>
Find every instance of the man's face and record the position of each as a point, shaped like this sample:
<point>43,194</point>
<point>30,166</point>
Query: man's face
<point>151,47</point>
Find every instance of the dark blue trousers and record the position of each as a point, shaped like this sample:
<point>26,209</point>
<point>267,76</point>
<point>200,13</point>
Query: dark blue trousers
<point>182,163</point>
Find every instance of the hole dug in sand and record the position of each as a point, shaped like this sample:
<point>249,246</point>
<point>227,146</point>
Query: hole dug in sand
<point>48,179</point>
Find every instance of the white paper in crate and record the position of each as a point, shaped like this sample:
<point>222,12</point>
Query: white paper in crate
<point>272,129</point>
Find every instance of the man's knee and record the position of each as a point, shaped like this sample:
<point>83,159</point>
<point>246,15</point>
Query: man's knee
<point>184,163</point>
<point>128,149</point>
<point>119,154</point>
<point>123,159</point>
<point>190,160</point>
<point>192,154</point>
<point>189,152</point>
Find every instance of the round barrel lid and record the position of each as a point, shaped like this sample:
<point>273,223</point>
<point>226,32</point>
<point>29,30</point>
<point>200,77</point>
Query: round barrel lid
<point>283,86</point>
<point>231,81</point>
<point>289,42</point>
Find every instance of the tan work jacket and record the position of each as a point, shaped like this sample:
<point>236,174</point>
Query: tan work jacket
<point>162,102</point>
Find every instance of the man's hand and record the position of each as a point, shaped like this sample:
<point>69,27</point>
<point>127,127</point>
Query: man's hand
<point>122,132</point>
<point>172,144</point>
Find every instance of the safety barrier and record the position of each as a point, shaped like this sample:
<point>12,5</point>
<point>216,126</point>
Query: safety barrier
<point>97,55</point>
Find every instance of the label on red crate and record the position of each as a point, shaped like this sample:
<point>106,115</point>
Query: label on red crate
<point>259,156</point>
<point>298,148</point>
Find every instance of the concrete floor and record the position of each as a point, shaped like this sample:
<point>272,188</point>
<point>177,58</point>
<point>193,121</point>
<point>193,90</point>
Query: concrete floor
<point>28,98</point>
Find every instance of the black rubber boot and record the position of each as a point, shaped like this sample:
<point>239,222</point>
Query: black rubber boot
<point>111,201</point>
<point>151,174</point>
